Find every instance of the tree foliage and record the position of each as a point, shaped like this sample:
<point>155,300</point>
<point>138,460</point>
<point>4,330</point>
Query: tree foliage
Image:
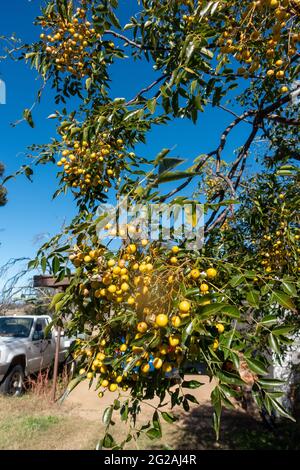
<point>150,308</point>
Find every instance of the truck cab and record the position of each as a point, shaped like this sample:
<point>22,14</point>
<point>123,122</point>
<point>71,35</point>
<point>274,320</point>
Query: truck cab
<point>27,346</point>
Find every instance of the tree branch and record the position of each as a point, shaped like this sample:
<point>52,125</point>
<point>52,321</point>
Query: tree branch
<point>284,120</point>
<point>148,88</point>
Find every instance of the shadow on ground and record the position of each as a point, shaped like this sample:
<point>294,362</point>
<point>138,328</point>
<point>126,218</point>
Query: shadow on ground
<point>238,431</point>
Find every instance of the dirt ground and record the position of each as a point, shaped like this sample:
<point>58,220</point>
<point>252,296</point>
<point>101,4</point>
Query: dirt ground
<point>33,422</point>
<point>86,403</point>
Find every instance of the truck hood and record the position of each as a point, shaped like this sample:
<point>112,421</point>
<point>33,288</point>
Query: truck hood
<point>6,340</point>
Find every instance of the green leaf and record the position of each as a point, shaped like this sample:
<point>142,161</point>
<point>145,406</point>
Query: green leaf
<point>124,411</point>
<point>27,115</point>
<point>168,164</point>
<point>191,398</point>
<point>289,288</point>
<point>235,359</point>
<point>88,83</point>
<point>168,417</point>
<point>231,311</point>
<point>250,274</point>
<point>230,378</point>
<point>161,155</point>
<point>188,330</point>
<point>55,265</point>
<point>174,176</point>
<point>153,433</point>
<point>151,105</point>
<point>228,392</point>
<point>217,404</point>
<point>44,264</point>
<point>237,280</point>
<point>210,310</point>
<point>269,320</point>
<point>108,441</point>
<point>156,421</point>
<point>273,342</point>
<point>191,384</point>
<point>56,298</point>
<point>283,299</point>
<point>70,387</point>
<point>279,408</point>
<point>253,298</point>
<point>282,330</point>
<point>106,418</point>
<point>257,366</point>
<point>270,383</point>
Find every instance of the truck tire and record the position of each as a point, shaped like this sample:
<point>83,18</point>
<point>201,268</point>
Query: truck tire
<point>13,383</point>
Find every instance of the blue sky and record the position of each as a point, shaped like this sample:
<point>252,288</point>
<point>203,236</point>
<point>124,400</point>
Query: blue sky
<point>30,215</point>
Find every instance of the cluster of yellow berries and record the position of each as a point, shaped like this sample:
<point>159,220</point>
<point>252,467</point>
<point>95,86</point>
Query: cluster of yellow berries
<point>278,250</point>
<point>136,285</point>
<point>119,362</point>
<point>70,43</point>
<point>92,166</point>
<point>261,34</point>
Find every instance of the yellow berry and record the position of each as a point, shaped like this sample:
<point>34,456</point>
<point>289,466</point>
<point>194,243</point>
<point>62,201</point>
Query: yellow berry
<point>220,327</point>
<point>161,320</point>
<point>142,327</point>
<point>145,368</point>
<point>184,306</point>
<point>117,270</point>
<point>204,287</point>
<point>174,340</point>
<point>130,300</point>
<point>157,362</point>
<point>176,321</point>
<point>112,289</point>
<point>131,248</point>
<point>211,273</point>
<point>195,273</point>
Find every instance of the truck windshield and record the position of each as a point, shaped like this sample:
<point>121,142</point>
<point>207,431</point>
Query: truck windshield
<point>15,327</point>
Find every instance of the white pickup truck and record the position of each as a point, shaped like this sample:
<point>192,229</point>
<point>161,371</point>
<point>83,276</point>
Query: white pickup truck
<point>25,348</point>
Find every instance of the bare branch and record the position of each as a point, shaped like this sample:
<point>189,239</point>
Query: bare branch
<point>148,88</point>
<point>124,38</point>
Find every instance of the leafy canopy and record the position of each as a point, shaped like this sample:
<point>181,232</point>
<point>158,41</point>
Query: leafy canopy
<point>152,308</point>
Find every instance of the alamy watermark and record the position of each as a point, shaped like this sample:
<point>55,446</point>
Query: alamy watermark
<point>2,92</point>
<point>155,222</point>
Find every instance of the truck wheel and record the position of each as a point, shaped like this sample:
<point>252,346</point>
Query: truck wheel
<point>13,383</point>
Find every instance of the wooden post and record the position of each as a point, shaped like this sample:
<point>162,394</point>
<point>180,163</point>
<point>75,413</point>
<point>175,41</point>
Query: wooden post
<point>46,282</point>
<point>56,364</point>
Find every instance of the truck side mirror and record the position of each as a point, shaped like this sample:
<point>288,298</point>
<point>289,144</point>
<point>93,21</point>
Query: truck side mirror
<point>38,335</point>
